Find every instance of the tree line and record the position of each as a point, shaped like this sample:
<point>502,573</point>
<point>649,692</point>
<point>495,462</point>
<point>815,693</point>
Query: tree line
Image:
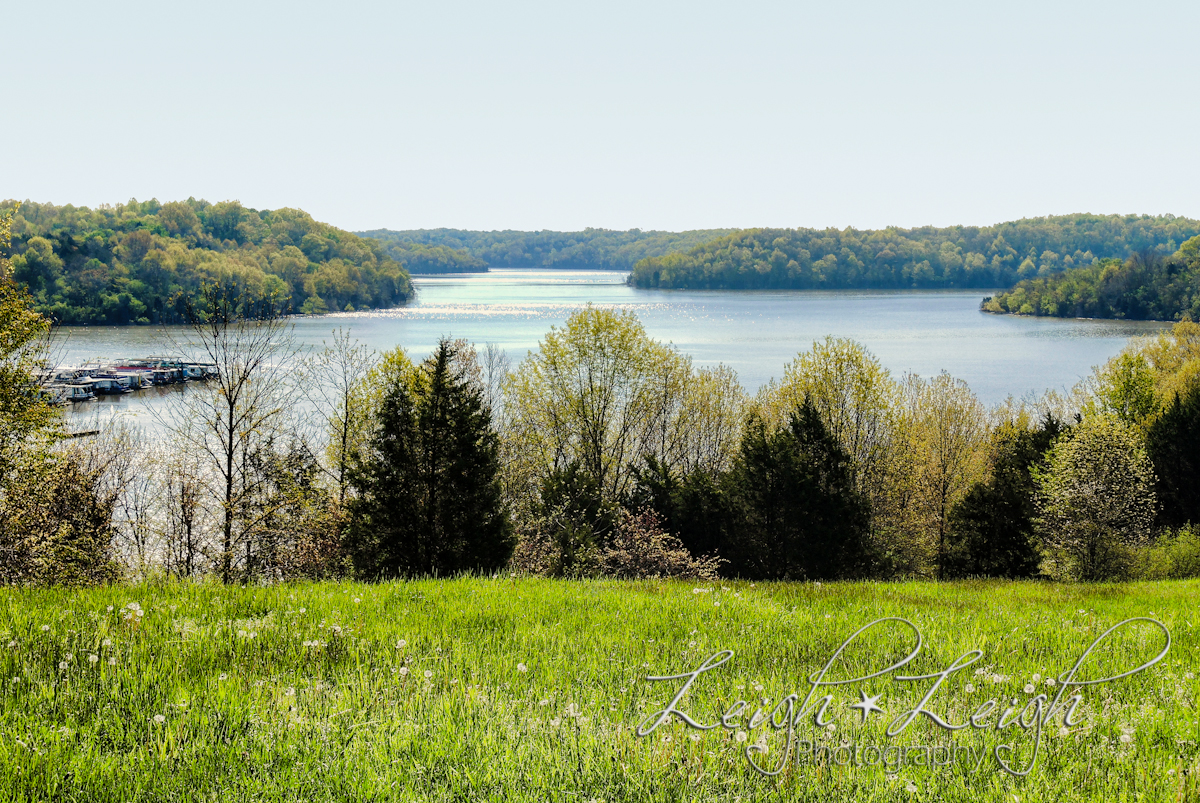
<point>595,249</point>
<point>926,257</point>
<point>1147,286</point>
<point>143,262</point>
<point>602,453</point>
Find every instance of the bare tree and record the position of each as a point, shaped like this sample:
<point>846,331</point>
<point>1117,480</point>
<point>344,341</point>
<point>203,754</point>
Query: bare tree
<point>248,348</point>
<point>333,382</point>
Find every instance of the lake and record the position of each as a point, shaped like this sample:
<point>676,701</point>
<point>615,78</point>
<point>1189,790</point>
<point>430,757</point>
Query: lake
<point>756,333</point>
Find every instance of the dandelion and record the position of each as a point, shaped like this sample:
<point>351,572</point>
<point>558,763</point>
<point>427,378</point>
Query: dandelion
<point>62,664</point>
<point>401,644</point>
<point>831,727</point>
<point>717,604</point>
<point>969,688</point>
<point>741,737</point>
<point>522,668</point>
<point>554,722</point>
<point>428,674</point>
<point>222,676</point>
<point>691,644</point>
<point>1063,731</point>
<point>1036,677</point>
<point>911,788</point>
<point>1126,738</point>
<point>241,634</point>
<point>1029,688</point>
<point>159,718</point>
<point>12,644</point>
<point>16,680</point>
<point>403,671</point>
<point>543,702</point>
<point>303,610</point>
<point>106,643</point>
<point>667,738</point>
<point>140,612</point>
<point>357,600</point>
<point>45,628</point>
<point>70,656</point>
<point>1188,675</point>
<point>112,661</point>
<point>110,609</point>
<point>93,658</point>
<point>1050,681</point>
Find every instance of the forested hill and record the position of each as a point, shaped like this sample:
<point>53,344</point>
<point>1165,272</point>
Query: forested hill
<point>598,249</point>
<point>139,262</point>
<point>928,257</point>
<point>1146,286</point>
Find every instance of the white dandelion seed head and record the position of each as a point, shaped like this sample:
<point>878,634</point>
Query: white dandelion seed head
<point>741,736</point>
<point>45,628</point>
<point>554,722</point>
<point>159,718</point>
<point>62,664</point>
<point>401,644</point>
<point>93,658</point>
<point>428,674</point>
<point>1029,688</point>
<point>112,661</point>
<point>106,643</point>
<point>522,668</point>
<point>1050,681</point>
<point>1063,731</point>
<point>1036,677</point>
<point>303,610</point>
<point>543,702</point>
<point>404,670</point>
<point>222,676</point>
<point>969,688</point>
<point>110,608</point>
<point>1126,738</point>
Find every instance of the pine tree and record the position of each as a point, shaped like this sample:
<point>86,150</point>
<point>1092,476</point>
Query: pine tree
<point>801,514</point>
<point>1173,442</point>
<point>429,499</point>
<point>991,528</point>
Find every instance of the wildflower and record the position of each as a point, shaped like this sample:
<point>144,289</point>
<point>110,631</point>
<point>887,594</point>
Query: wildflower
<point>70,656</point>
<point>695,737</point>
<point>831,727</point>
<point>1188,675</point>
<point>241,634</point>
<point>106,643</point>
<point>717,604</point>
<point>1126,738</point>
<point>45,628</point>
<point>554,722</point>
<point>93,658</point>
<point>911,788</point>
<point>428,674</point>
<point>691,644</point>
<point>544,702</point>
<point>110,609</point>
<point>303,610</point>
<point>112,661</point>
<point>16,680</point>
<point>140,612</point>
<point>401,644</point>
<point>1029,688</point>
<point>403,670</point>
<point>12,643</point>
<point>1063,731</point>
<point>62,664</point>
<point>741,736</point>
<point>1036,677</point>
<point>969,688</point>
<point>159,718</point>
<point>1050,681</point>
<point>522,668</point>
<point>667,738</point>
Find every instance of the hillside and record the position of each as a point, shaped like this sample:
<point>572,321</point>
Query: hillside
<point>927,257</point>
<point>597,249</point>
<point>137,263</point>
<point>1146,286</point>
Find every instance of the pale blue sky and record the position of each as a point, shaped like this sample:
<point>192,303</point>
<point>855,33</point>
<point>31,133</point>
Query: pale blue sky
<point>563,115</point>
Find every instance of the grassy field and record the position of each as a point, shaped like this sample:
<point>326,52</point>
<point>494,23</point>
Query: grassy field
<point>508,689</point>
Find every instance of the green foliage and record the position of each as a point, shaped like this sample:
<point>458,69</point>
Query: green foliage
<point>1174,556</point>
<point>957,256</point>
<point>799,512</point>
<point>992,527</point>
<point>597,249</point>
<point>141,262</point>
<point>429,495</point>
<point>1173,442</point>
<point>1146,286</point>
<point>1095,499</point>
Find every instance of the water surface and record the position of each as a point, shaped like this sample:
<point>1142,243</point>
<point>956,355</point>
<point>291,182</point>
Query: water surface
<point>755,332</point>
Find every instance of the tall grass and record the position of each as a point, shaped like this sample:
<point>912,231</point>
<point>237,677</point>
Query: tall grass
<point>521,689</point>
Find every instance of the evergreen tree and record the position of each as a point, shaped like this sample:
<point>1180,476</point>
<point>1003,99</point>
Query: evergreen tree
<point>429,497</point>
<point>1173,442</point>
<point>800,514</point>
<point>991,528</point>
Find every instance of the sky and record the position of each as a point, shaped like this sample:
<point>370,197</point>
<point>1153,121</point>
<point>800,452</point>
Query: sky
<point>563,115</point>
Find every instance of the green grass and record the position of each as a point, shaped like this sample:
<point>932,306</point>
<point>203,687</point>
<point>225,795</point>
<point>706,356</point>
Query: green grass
<point>253,710</point>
